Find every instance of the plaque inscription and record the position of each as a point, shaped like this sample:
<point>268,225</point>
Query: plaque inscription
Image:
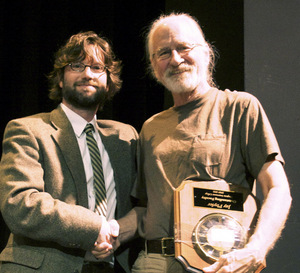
<point>218,199</point>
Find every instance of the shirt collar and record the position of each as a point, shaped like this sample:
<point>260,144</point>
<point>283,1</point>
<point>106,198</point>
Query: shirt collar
<point>78,123</point>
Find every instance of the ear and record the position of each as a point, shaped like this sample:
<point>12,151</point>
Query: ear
<point>108,80</point>
<point>152,69</point>
<point>207,55</point>
<point>60,84</point>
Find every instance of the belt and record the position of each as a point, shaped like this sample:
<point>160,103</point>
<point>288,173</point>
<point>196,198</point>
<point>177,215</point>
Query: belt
<point>94,267</point>
<point>164,246</point>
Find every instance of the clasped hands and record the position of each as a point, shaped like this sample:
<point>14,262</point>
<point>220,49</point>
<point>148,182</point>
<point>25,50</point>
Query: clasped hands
<point>107,241</point>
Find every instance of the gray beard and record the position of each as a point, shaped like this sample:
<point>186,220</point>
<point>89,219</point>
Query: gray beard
<point>176,86</point>
<point>181,83</point>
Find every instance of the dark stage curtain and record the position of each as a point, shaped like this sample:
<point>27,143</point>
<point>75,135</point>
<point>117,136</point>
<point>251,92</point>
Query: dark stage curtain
<point>31,33</point>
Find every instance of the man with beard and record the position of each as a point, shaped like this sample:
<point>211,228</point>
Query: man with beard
<point>60,190</point>
<point>207,135</point>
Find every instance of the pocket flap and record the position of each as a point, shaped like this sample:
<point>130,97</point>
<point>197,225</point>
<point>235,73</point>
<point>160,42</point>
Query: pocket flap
<point>22,256</point>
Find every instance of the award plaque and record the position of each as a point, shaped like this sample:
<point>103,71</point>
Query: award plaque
<point>212,218</point>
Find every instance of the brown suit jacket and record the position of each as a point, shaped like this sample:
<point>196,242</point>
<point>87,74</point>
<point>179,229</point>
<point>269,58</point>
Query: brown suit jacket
<point>43,193</point>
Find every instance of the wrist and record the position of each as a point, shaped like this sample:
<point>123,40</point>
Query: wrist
<point>258,250</point>
<point>104,230</point>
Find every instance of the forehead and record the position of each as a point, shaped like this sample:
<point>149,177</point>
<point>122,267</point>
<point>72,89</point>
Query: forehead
<point>94,53</point>
<point>175,31</point>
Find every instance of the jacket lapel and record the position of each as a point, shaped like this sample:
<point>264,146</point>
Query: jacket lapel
<point>67,142</point>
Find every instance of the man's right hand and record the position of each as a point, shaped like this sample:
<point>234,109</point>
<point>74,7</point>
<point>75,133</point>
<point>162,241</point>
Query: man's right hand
<point>107,240</point>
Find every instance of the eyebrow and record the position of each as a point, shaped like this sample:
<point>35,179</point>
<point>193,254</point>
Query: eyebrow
<point>179,44</point>
<point>163,48</point>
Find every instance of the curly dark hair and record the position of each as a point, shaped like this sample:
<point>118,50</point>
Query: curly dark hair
<point>75,51</point>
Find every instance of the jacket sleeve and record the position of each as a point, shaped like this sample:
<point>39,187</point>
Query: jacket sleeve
<point>32,208</point>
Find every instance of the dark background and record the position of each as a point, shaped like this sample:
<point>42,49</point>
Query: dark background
<point>258,44</point>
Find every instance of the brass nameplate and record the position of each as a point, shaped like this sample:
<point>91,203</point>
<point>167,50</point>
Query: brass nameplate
<point>218,199</point>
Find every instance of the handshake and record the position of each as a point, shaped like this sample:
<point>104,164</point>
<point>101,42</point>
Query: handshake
<point>107,241</point>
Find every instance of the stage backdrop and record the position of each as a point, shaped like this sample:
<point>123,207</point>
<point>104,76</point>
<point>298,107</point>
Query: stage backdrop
<point>257,42</point>
<point>272,68</point>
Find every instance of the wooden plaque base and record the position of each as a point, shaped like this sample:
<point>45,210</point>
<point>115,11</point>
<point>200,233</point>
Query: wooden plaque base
<point>188,211</point>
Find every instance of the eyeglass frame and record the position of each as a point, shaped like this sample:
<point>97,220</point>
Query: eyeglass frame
<point>104,67</point>
<point>181,52</point>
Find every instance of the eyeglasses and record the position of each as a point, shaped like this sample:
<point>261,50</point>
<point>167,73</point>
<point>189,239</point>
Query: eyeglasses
<point>95,68</point>
<point>166,53</point>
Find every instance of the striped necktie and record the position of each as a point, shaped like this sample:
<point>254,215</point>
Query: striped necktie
<point>99,184</point>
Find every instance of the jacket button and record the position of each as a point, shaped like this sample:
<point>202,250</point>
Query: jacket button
<point>76,271</point>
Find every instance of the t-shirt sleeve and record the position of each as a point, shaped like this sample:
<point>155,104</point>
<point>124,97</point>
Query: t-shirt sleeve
<point>258,138</point>
<point>139,190</point>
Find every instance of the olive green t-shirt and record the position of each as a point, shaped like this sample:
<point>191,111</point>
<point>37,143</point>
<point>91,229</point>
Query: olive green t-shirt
<point>220,135</point>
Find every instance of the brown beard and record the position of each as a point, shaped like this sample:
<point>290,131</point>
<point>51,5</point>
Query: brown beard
<point>81,101</point>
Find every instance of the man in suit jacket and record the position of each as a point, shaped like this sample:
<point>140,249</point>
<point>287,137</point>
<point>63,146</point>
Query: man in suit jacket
<point>46,177</point>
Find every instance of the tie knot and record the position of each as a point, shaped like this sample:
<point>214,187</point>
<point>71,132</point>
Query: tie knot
<point>89,128</point>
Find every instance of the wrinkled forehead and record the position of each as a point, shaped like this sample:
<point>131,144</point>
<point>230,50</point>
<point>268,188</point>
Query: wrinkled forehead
<point>172,31</point>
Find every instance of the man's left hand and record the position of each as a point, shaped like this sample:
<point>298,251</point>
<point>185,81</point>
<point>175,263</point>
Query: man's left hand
<point>240,261</point>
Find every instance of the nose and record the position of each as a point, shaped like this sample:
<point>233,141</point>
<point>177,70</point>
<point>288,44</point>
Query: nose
<point>87,72</point>
<point>175,58</point>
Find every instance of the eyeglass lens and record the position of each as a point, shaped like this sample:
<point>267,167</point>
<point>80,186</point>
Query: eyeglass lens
<point>80,67</point>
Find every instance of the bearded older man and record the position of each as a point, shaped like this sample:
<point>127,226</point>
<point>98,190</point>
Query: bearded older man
<point>208,134</point>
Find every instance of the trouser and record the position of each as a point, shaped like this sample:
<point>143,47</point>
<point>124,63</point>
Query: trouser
<point>156,263</point>
<point>90,267</point>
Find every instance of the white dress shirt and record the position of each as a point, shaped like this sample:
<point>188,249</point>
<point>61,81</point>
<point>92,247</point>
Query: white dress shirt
<point>78,124</point>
